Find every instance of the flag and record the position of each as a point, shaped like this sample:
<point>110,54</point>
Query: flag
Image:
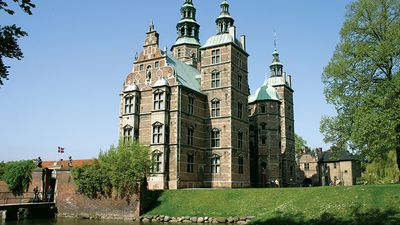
<point>60,149</point>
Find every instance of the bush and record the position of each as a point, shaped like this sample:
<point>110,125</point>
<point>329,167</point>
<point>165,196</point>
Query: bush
<point>383,171</point>
<point>117,171</point>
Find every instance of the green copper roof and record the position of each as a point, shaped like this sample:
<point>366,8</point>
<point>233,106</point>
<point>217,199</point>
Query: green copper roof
<point>187,40</point>
<point>185,74</point>
<point>223,38</point>
<point>265,92</point>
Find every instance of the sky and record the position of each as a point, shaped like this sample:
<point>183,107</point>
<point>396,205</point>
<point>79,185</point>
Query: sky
<point>65,91</point>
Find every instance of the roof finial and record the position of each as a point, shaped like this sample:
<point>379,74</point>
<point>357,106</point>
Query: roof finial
<point>151,26</point>
<point>275,37</point>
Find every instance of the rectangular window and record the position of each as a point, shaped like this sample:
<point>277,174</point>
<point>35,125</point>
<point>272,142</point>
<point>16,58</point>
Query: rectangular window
<point>190,136</point>
<point>190,163</point>
<point>215,56</point>
<point>216,164</point>
<point>240,163</point>
<point>127,134</point>
<point>141,67</point>
<point>215,109</point>
<point>215,139</point>
<point>239,81</point>
<point>334,165</point>
<point>240,109</point>
<point>191,105</point>
<point>157,162</point>
<point>157,134</point>
<point>263,140</point>
<point>128,105</point>
<point>240,140</point>
<point>158,100</point>
<point>137,105</point>
<point>215,80</point>
<point>263,109</point>
<point>157,64</point>
<point>306,166</point>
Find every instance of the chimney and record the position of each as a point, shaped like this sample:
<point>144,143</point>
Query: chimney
<point>232,31</point>
<point>289,80</point>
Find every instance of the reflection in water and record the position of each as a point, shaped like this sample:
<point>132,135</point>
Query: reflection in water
<point>65,221</point>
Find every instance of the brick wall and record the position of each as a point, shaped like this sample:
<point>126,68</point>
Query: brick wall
<point>71,203</point>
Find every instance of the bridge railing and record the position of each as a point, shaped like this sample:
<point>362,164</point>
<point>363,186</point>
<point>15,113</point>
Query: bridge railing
<point>10,198</point>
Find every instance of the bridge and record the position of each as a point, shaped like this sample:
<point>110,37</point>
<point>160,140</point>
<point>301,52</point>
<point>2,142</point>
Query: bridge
<point>24,206</point>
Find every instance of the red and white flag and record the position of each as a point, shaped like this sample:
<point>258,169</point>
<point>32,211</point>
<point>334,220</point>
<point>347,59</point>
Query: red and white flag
<point>60,149</point>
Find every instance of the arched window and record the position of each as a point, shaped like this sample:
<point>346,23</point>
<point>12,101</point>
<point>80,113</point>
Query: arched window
<point>215,79</point>
<point>148,73</point>
<point>215,164</point>
<point>157,161</point>
<point>263,126</point>
<point>127,133</point>
<point>179,50</point>
<point>157,133</point>
<point>128,104</point>
<point>215,138</point>
<point>215,108</point>
<point>158,100</point>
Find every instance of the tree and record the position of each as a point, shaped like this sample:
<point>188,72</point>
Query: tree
<point>300,143</point>
<point>18,175</point>
<point>382,172</point>
<point>117,171</point>
<point>9,36</point>
<point>362,81</point>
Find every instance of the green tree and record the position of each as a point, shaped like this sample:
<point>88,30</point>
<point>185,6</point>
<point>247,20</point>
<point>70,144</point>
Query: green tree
<point>9,36</point>
<point>18,175</point>
<point>2,169</point>
<point>117,171</point>
<point>362,81</point>
<point>300,143</point>
<point>382,171</point>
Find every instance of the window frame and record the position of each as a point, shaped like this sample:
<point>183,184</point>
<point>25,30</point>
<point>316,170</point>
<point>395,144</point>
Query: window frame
<point>158,100</point>
<point>128,105</point>
<point>240,139</point>
<point>157,162</point>
<point>190,136</point>
<point>240,164</point>
<point>190,163</point>
<point>215,79</point>
<point>215,138</point>
<point>215,108</point>
<point>215,164</point>
<point>240,109</point>
<point>157,134</point>
<point>191,104</point>
<point>215,56</point>
<point>127,133</point>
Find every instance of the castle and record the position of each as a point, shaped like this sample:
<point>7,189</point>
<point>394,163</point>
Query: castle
<point>191,106</point>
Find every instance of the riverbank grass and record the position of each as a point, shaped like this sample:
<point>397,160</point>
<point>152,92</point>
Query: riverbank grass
<point>298,204</point>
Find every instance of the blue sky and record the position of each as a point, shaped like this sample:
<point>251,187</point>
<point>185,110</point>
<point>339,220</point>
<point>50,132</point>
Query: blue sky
<point>65,92</point>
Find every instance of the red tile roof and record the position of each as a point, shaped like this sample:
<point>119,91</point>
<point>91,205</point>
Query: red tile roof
<point>64,163</point>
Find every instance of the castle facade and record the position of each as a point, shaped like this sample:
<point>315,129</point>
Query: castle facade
<point>191,106</point>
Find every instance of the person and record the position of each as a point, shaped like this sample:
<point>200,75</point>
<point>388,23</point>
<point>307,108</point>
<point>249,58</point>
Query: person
<point>36,194</point>
<point>49,194</point>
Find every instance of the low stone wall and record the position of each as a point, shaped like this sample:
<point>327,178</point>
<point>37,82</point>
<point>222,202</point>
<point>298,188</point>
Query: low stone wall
<point>187,219</point>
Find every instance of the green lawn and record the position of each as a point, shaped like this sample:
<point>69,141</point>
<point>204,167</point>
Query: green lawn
<point>297,204</point>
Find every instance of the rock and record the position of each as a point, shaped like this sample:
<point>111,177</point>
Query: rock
<point>241,222</point>
<point>186,218</point>
<point>145,220</point>
<point>242,218</point>
<point>186,221</point>
<point>148,217</point>
<point>200,220</point>
<point>235,219</point>
<point>167,219</point>
<point>174,221</point>
<point>221,219</point>
<point>179,219</point>
<point>193,219</point>
<point>154,220</point>
<point>230,220</point>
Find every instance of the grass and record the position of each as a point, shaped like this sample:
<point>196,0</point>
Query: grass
<point>287,205</point>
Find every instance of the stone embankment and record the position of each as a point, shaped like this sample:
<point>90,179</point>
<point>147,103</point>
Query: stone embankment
<point>188,219</point>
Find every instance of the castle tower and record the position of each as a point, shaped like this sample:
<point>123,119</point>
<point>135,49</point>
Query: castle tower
<point>283,85</point>
<point>224,81</point>
<point>186,47</point>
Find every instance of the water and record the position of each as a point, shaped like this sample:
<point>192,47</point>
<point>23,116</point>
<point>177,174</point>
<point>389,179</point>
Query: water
<point>67,221</point>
